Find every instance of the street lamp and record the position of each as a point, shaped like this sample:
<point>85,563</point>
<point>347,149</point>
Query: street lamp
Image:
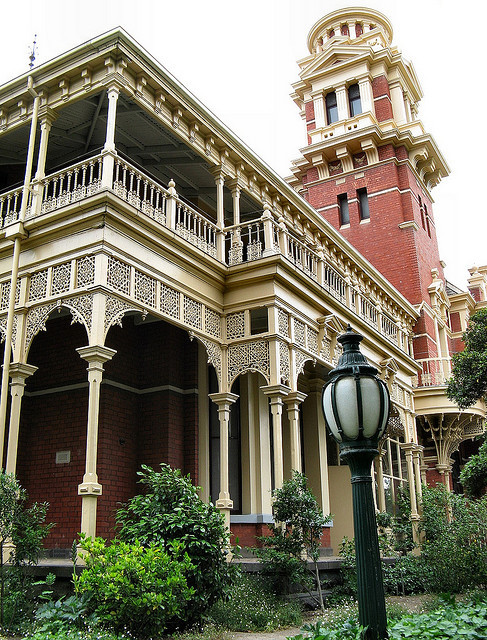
<point>356,408</point>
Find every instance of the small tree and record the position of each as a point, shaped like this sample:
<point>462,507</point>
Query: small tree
<point>294,536</point>
<point>23,530</point>
<point>469,374</point>
<point>171,510</point>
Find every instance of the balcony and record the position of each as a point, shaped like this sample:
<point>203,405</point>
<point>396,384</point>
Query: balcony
<point>435,372</point>
<point>234,245</point>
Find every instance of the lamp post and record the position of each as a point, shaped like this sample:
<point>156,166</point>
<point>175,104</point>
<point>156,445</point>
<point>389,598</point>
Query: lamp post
<point>356,408</point>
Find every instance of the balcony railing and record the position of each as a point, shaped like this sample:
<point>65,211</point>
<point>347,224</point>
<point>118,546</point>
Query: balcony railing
<point>435,372</point>
<point>233,245</point>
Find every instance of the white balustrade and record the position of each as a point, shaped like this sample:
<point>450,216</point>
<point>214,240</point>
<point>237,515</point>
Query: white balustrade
<point>140,191</point>
<point>195,228</point>
<point>390,329</point>
<point>10,203</point>
<point>70,185</point>
<point>302,256</point>
<point>368,311</point>
<point>435,372</point>
<point>334,283</point>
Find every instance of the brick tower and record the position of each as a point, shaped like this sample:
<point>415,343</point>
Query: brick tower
<point>369,165</point>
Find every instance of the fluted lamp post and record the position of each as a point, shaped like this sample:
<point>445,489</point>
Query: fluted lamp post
<point>356,408</point>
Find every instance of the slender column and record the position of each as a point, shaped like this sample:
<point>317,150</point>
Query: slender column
<point>276,393</point>
<point>366,97</point>
<point>268,232</point>
<point>319,109</point>
<point>112,93</point>
<point>234,185</point>
<point>220,214</point>
<point>293,400</point>
<point>109,148</point>
<point>342,103</point>
<point>16,233</point>
<point>46,123</point>
<point>381,494</point>
<point>397,99</point>
<point>224,401</point>
<point>90,488</point>
<point>19,373</point>
<point>417,472</point>
<point>408,449</point>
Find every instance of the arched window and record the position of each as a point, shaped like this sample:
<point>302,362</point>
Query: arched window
<point>331,107</point>
<point>354,100</point>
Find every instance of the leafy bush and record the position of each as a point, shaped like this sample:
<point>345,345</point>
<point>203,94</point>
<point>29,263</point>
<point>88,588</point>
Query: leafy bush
<point>26,528</point>
<point>171,510</point>
<point>252,606</point>
<point>141,589</point>
<point>454,553</point>
<point>464,620</point>
<point>348,630</point>
<point>474,474</point>
<point>295,536</point>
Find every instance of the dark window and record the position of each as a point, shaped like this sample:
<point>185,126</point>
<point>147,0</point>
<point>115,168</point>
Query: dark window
<point>363,204</point>
<point>354,100</point>
<point>331,107</point>
<point>343,206</point>
<point>258,321</point>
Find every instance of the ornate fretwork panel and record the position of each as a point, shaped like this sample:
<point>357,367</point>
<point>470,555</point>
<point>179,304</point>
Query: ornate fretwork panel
<point>300,359</point>
<point>248,356</point>
<point>312,337</point>
<point>85,271</point>
<point>38,285</point>
<point>115,309</point>
<point>3,329</point>
<point>235,325</point>
<point>61,278</point>
<point>325,352</point>
<point>170,301</point>
<point>5,294</point>
<point>299,333</point>
<point>145,289</point>
<point>214,354</point>
<point>192,313</point>
<point>118,275</point>
<point>81,309</point>
<point>283,323</point>
<point>36,321</point>
<point>212,323</point>
<point>285,369</point>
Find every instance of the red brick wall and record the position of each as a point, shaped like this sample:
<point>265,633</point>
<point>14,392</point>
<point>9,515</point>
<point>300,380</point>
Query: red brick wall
<point>382,98</point>
<point>404,256</point>
<point>148,415</point>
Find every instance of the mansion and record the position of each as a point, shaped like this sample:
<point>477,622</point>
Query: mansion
<point>165,296</point>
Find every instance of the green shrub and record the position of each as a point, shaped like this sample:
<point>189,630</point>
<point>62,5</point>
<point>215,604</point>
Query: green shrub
<point>141,589</point>
<point>294,536</point>
<point>171,510</point>
<point>253,606</point>
<point>454,552</point>
<point>474,474</point>
<point>26,528</point>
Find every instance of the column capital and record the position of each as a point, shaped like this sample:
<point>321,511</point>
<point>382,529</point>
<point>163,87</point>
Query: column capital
<point>96,353</point>
<point>224,399</point>
<point>218,172</point>
<point>21,370</point>
<point>47,115</point>
<point>294,398</point>
<point>276,391</point>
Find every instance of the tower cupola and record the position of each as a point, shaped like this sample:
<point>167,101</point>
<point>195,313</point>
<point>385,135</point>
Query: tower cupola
<point>366,26</point>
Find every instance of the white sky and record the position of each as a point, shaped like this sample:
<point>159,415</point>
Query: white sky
<point>239,59</point>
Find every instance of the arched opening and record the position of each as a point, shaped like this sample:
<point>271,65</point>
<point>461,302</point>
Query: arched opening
<point>52,434</point>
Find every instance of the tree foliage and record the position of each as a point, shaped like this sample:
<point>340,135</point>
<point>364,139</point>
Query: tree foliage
<point>294,536</point>
<point>171,511</point>
<point>474,474</point>
<point>469,375</point>
<point>23,529</point>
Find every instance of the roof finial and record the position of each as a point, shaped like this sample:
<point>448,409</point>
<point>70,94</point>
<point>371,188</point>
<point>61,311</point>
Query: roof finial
<point>32,55</point>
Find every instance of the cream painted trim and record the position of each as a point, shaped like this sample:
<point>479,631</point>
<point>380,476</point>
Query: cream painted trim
<point>112,383</point>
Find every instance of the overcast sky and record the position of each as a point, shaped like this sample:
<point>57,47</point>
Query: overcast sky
<point>239,59</point>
